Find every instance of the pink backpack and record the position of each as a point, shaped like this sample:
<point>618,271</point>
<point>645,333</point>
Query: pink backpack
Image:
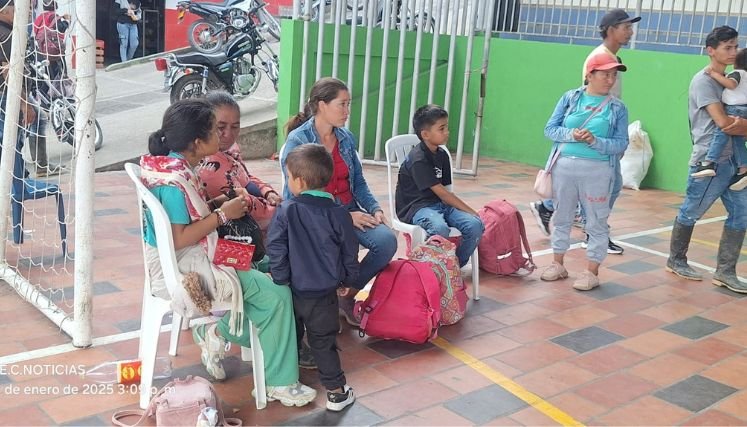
<point>51,42</point>
<point>440,253</point>
<point>403,303</point>
<point>500,249</point>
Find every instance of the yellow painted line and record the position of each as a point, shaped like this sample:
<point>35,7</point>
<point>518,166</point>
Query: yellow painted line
<point>713,244</point>
<point>512,387</point>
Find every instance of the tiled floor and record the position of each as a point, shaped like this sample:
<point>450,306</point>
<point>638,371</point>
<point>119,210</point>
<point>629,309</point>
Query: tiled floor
<point>646,348</point>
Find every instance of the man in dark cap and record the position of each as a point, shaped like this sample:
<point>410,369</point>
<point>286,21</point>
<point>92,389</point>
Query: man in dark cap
<point>616,29</point>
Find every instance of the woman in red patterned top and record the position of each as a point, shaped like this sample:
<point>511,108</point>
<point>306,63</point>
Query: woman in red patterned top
<point>225,169</point>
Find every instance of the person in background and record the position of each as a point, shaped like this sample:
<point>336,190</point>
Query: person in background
<point>127,19</point>
<point>313,248</point>
<point>616,29</point>
<point>226,168</point>
<point>188,133</point>
<point>322,121</point>
<point>589,130</point>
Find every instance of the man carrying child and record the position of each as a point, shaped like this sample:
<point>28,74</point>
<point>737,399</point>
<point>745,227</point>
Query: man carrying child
<point>422,197</point>
<point>313,248</point>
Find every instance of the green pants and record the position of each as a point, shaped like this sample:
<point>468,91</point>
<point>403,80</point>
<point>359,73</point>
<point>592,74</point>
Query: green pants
<point>270,308</point>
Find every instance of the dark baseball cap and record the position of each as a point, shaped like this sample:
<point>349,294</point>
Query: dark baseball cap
<point>616,16</point>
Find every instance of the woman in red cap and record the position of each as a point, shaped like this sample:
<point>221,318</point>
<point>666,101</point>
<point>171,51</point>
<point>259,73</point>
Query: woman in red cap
<point>589,130</point>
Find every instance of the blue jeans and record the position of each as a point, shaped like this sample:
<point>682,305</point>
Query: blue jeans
<point>128,40</point>
<point>702,192</point>
<point>436,219</point>
<point>720,139</point>
<point>382,245</point>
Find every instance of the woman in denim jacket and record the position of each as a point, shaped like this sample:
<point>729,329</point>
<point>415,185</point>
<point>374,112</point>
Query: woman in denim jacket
<point>589,130</point>
<point>322,121</point>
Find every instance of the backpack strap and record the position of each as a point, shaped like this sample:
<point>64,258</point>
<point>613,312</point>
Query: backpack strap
<point>117,416</point>
<point>529,265</point>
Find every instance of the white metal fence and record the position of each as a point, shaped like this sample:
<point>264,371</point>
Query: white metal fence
<point>453,18</point>
<point>673,25</point>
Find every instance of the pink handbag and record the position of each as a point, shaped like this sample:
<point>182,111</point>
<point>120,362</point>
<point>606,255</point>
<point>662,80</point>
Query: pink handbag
<point>179,403</point>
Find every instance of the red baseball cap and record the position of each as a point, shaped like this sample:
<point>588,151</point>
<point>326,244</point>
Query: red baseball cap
<point>603,61</point>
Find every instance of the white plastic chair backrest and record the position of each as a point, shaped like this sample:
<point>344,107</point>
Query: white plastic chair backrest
<point>162,226</point>
<point>397,148</point>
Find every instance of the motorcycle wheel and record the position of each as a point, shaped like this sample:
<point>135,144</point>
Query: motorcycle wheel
<point>270,23</point>
<point>203,38</point>
<point>190,86</point>
<point>63,123</point>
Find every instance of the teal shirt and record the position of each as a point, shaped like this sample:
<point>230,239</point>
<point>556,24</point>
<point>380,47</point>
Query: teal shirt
<point>599,125</point>
<point>174,203</point>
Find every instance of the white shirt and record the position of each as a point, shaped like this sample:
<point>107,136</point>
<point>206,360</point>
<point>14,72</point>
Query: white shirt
<point>738,95</point>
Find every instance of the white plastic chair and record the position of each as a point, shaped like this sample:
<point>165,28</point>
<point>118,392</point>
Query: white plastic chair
<point>397,148</point>
<point>154,308</point>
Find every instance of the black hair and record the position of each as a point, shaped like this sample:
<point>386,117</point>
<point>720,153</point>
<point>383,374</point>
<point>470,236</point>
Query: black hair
<point>426,116</point>
<point>325,89</point>
<point>740,63</point>
<point>221,98</point>
<point>312,163</point>
<point>183,122</point>
<point>719,35</point>
<point>49,5</point>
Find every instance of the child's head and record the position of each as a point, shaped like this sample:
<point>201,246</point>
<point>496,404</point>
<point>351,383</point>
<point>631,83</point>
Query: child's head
<point>309,167</point>
<point>431,124</point>
<point>740,63</point>
<point>188,126</point>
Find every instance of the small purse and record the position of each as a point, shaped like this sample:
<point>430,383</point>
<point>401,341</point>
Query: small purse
<point>543,181</point>
<point>234,254</point>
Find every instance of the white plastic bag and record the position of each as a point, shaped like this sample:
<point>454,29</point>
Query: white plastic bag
<point>634,164</point>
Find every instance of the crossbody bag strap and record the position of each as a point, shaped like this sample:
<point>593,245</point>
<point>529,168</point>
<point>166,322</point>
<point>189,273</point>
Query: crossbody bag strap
<point>556,153</point>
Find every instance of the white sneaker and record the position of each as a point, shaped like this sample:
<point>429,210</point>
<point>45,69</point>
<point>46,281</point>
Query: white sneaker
<point>586,281</point>
<point>338,401</point>
<point>213,349</point>
<point>290,395</point>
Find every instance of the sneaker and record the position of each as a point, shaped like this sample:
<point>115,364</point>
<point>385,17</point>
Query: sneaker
<point>704,171</point>
<point>542,215</point>
<point>346,310</point>
<point>554,272</point>
<point>213,349</point>
<point>614,249</point>
<point>586,281</point>
<point>738,182</point>
<point>305,357</point>
<point>290,395</point>
<point>339,401</point>
<point>579,221</point>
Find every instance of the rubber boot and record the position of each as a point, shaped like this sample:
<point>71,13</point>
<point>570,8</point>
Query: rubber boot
<point>729,250</point>
<point>677,262</point>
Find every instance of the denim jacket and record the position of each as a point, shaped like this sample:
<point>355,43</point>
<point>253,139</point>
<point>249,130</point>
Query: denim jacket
<point>613,145</point>
<point>306,134</point>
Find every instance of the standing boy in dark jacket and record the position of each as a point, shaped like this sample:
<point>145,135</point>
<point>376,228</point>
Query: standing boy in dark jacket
<point>313,248</point>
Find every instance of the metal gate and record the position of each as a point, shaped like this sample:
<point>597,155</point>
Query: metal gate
<point>437,26</point>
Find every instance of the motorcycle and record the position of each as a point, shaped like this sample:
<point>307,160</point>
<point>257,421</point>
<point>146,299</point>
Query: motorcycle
<point>219,22</point>
<point>193,74</point>
<point>56,95</point>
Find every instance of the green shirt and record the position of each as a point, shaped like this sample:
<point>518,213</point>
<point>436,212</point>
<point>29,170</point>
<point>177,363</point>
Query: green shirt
<point>599,125</point>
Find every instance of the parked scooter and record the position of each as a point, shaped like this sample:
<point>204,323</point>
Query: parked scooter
<point>237,69</point>
<point>219,23</point>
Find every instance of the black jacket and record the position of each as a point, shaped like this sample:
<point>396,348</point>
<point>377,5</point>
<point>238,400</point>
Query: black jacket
<point>312,246</point>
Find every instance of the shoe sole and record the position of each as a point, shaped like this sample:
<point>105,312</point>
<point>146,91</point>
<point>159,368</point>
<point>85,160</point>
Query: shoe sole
<point>560,277</point>
<point>289,404</point>
<point>609,251</point>
<point>337,407</point>
<point>707,174</point>
<point>538,219</point>
<point>726,285</point>
<point>739,185</point>
<point>694,279</point>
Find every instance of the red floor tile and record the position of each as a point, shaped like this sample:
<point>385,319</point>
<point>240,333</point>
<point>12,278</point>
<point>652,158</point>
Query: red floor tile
<point>709,350</point>
<point>648,411</point>
<point>714,418</point>
<point>667,369</point>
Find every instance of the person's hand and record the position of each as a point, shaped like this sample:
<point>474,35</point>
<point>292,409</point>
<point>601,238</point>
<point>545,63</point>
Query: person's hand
<point>234,208</point>
<point>66,17</point>
<point>738,127</point>
<point>578,135</point>
<point>362,220</point>
<point>587,136</point>
<point>379,216</point>
<point>344,292</point>
<point>274,199</point>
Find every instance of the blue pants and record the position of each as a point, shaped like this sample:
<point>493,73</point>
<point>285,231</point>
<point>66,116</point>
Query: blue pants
<point>382,245</point>
<point>720,139</point>
<point>128,40</point>
<point>702,192</point>
<point>436,219</point>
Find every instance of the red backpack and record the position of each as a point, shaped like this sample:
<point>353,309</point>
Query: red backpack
<point>440,253</point>
<point>404,303</point>
<point>50,40</point>
<point>500,249</point>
